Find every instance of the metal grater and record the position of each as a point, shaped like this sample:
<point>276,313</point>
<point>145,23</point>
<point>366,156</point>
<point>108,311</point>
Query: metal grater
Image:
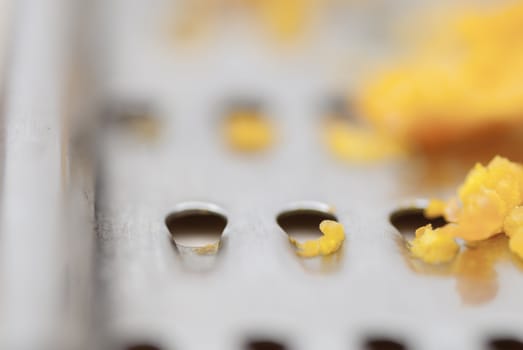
<point>87,259</point>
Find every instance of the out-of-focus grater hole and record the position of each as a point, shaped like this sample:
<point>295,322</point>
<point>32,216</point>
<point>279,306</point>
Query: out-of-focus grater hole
<point>407,220</point>
<point>505,344</point>
<point>264,344</point>
<point>143,346</point>
<point>246,127</point>
<point>383,344</point>
<point>246,102</point>
<point>196,225</point>
<point>134,118</point>
<point>339,107</point>
<point>303,223</point>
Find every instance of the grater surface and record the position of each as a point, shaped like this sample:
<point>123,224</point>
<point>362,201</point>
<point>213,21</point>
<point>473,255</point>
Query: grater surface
<point>257,285</point>
<point>145,290</point>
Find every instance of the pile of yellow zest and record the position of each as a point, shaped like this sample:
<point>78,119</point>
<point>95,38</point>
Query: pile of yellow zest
<point>330,242</point>
<point>488,203</point>
<point>248,131</point>
<point>353,143</point>
<point>463,81</point>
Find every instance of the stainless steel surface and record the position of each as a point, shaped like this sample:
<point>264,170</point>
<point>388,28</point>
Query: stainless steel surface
<point>259,286</point>
<point>256,287</point>
<point>47,215</point>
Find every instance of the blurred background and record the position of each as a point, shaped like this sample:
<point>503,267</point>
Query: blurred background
<point>157,155</point>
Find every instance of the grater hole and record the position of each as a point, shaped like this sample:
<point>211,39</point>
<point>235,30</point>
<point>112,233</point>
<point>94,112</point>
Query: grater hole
<point>302,224</point>
<point>196,227</point>
<point>383,344</point>
<point>264,345</point>
<point>505,344</point>
<point>144,346</point>
<point>134,118</point>
<point>338,107</point>
<point>246,127</point>
<point>406,221</point>
<point>245,102</point>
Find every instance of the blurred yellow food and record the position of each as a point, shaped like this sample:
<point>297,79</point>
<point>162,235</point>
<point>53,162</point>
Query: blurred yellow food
<point>287,19</point>
<point>516,244</point>
<point>435,208</point>
<point>465,80</point>
<point>248,131</point>
<point>513,227</point>
<point>475,271</point>
<point>489,202</point>
<point>349,142</point>
<point>514,222</point>
<point>434,246</point>
<point>330,242</point>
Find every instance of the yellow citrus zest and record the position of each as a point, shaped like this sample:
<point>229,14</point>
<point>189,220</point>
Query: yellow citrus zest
<point>434,246</point>
<point>330,242</point>
<point>248,131</point>
<point>487,203</point>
